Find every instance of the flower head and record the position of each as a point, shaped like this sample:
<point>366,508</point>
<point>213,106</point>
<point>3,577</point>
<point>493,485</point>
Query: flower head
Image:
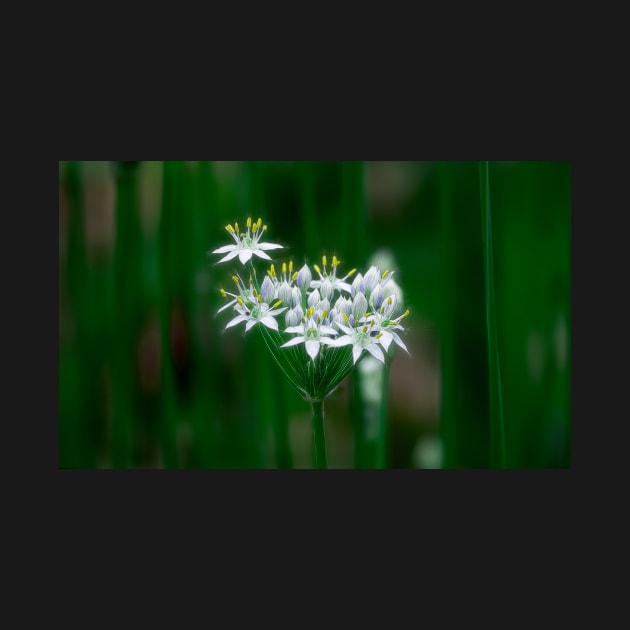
<point>246,244</point>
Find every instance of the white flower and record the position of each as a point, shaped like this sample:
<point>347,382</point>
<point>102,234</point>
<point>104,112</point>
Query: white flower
<point>361,339</point>
<point>327,283</point>
<point>311,334</point>
<point>383,329</point>
<point>246,244</point>
<point>258,312</point>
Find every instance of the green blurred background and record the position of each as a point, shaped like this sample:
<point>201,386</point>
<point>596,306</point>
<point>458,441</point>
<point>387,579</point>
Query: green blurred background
<point>149,378</point>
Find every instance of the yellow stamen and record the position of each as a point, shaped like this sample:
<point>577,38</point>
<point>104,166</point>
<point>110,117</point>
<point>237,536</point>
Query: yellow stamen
<point>272,269</point>
<point>236,227</point>
<point>351,272</point>
<point>254,228</point>
<point>276,304</point>
<point>316,268</point>
<point>290,266</point>
<point>335,261</point>
<point>259,298</point>
<point>364,329</point>
<point>235,279</point>
<point>294,276</point>
<point>264,228</point>
<point>222,292</point>
<point>259,222</point>
<point>385,273</point>
<point>325,314</point>
<point>345,316</point>
<point>324,260</point>
<point>239,299</point>
<point>229,228</point>
<point>249,222</point>
<point>389,300</point>
<point>284,268</point>
<point>379,336</point>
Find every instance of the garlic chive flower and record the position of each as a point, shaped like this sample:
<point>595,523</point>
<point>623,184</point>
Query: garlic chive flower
<point>361,338</point>
<point>252,314</point>
<point>246,244</point>
<point>328,282</point>
<point>311,333</point>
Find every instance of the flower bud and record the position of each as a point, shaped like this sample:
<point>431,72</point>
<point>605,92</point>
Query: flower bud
<point>267,290</point>
<point>357,285</point>
<point>313,298</point>
<point>359,306</point>
<point>304,278</point>
<point>371,278</point>
<point>296,297</point>
<point>326,288</point>
<point>284,292</point>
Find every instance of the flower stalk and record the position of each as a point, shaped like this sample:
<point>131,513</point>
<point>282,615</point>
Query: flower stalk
<point>320,461</point>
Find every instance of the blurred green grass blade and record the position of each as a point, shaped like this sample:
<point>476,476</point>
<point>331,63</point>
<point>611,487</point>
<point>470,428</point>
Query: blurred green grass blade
<point>448,248</point>
<point>126,272</point>
<point>381,439</point>
<point>497,425</point>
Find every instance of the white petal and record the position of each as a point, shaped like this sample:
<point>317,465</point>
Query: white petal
<point>276,311</point>
<point>261,254</point>
<point>327,330</point>
<point>269,321</point>
<point>231,255</point>
<point>225,248</point>
<point>226,306</point>
<point>312,348</point>
<point>237,320</point>
<point>244,255</point>
<point>356,353</point>
<point>293,342</point>
<point>399,341</point>
<point>385,339</point>
<point>268,246</point>
<point>250,323</point>
<point>295,329</point>
<point>345,328</point>
<point>376,352</point>
<point>346,340</point>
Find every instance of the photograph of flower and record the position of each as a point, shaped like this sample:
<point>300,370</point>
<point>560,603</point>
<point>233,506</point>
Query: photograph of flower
<point>314,315</point>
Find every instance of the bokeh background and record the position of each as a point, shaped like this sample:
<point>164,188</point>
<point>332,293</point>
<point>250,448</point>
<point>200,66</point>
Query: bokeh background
<point>149,378</point>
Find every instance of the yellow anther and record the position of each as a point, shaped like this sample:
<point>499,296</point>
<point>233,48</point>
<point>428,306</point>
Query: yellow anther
<point>379,336</point>
<point>389,300</point>
<point>325,314</point>
<point>264,227</point>
<point>259,298</point>
<point>294,276</point>
<point>235,278</point>
<point>351,272</point>
<point>255,292</point>
<point>272,270</point>
<point>316,268</point>
<point>345,316</point>
<point>290,266</point>
<point>239,299</point>
<point>310,312</point>
<point>385,273</point>
<point>404,314</point>
<point>222,292</point>
<point>284,267</point>
<point>364,329</point>
<point>249,222</point>
<point>275,304</point>
<point>335,261</point>
<point>236,227</point>
<point>259,222</point>
<point>324,260</point>
<point>229,228</point>
<point>254,228</point>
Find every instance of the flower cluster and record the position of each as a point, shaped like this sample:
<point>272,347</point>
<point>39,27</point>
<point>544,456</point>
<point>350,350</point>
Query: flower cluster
<point>325,312</point>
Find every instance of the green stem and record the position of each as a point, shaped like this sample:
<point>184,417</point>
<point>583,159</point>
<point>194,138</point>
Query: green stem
<point>497,428</point>
<point>381,443</point>
<point>319,439</point>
